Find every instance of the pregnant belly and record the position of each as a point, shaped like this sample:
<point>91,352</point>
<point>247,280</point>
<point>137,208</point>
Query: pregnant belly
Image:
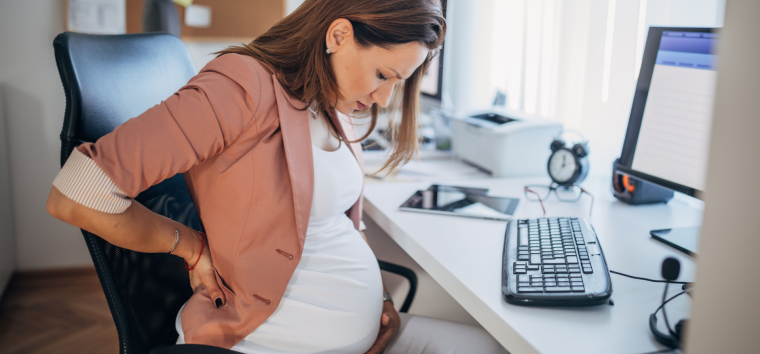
<point>332,303</point>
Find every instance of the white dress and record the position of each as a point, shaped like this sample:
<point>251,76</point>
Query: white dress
<point>334,300</point>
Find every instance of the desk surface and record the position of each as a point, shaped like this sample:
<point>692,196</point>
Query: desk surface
<point>464,255</point>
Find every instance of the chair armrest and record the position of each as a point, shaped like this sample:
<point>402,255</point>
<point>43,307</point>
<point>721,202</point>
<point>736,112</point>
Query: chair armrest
<point>406,273</point>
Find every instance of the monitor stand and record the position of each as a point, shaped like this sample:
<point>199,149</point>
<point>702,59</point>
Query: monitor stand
<point>684,239</point>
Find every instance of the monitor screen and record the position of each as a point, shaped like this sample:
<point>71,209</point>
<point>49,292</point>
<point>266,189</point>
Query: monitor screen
<point>668,133</point>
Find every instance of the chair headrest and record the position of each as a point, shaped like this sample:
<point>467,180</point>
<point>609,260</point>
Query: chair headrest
<point>121,76</point>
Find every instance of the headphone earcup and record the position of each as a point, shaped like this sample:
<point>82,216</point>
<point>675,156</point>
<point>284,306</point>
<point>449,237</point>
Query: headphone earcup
<point>680,329</point>
<point>663,338</point>
<point>557,144</point>
<point>580,149</point>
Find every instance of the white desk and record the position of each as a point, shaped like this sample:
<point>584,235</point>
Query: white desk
<point>465,255</point>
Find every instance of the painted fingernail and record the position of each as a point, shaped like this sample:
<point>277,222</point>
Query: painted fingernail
<point>218,302</point>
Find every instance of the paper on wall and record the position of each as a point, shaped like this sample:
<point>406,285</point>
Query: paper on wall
<point>97,16</point>
<point>198,16</point>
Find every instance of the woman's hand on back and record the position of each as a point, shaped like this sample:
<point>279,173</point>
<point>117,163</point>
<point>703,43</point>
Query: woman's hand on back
<point>203,275</point>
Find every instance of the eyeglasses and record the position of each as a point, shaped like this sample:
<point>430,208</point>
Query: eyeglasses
<point>569,194</point>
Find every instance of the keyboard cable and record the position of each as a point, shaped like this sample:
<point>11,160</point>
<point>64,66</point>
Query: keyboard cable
<point>647,279</point>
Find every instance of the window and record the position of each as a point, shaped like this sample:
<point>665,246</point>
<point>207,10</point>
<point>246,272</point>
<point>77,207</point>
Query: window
<point>573,61</point>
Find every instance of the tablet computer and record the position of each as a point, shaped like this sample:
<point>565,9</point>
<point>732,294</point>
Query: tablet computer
<point>461,201</point>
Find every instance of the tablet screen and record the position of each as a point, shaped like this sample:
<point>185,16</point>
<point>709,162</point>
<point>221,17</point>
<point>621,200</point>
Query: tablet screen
<point>461,201</point>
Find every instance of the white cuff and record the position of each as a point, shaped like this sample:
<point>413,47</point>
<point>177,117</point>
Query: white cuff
<point>84,182</point>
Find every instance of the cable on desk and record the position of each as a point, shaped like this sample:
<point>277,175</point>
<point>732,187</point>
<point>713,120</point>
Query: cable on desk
<point>668,300</point>
<point>647,279</point>
<point>666,350</point>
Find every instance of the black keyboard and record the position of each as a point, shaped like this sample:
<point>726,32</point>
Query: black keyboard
<point>554,262</point>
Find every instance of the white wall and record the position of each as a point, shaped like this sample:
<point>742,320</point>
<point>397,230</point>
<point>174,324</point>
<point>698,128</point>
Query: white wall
<point>34,107</point>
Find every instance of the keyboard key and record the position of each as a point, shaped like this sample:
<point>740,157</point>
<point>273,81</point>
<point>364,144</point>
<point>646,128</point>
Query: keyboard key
<point>537,285</point>
<point>554,261</point>
<point>535,259</point>
<point>574,270</point>
<point>523,257</point>
<point>523,234</point>
<point>575,276</point>
<point>563,283</point>
<point>519,285</point>
<point>548,270</point>
<point>578,289</point>
<point>520,271</point>
<point>572,259</point>
<point>533,267</point>
<point>558,289</point>
<point>587,270</point>
<point>530,290</point>
<point>576,283</point>
<point>523,278</point>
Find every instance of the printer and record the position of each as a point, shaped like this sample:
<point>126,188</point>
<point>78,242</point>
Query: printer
<point>503,142</point>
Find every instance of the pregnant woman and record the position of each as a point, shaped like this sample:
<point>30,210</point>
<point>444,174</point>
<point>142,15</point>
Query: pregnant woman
<point>265,140</point>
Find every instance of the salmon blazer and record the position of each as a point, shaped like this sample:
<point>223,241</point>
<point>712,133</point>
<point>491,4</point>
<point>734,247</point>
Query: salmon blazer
<point>244,148</point>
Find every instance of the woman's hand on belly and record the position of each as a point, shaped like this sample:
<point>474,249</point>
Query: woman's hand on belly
<point>389,325</point>
<point>204,274</point>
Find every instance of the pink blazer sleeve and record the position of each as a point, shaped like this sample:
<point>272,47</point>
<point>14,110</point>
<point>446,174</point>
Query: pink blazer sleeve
<point>198,121</point>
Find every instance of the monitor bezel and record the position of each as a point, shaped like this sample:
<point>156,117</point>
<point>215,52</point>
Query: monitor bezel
<point>639,103</point>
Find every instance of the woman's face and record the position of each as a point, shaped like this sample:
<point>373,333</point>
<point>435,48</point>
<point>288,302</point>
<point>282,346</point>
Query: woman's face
<point>366,76</point>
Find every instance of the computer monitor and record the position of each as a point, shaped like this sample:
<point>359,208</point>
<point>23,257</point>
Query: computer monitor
<point>667,141</point>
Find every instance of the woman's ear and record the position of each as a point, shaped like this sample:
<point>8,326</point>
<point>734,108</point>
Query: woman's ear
<point>339,34</point>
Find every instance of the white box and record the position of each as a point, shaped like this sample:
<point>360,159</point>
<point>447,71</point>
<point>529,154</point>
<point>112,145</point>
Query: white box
<point>518,148</point>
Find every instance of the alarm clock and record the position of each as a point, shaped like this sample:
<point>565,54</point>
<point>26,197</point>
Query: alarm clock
<point>568,166</point>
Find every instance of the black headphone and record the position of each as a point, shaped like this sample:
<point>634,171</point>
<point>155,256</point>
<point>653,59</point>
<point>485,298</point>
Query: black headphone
<point>579,149</point>
<point>671,268</point>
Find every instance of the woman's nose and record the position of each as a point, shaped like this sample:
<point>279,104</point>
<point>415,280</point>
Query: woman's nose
<point>382,95</point>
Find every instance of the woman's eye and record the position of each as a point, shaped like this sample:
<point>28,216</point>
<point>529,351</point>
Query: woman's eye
<point>380,75</point>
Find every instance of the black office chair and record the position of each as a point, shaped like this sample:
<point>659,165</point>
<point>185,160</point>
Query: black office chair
<point>107,80</point>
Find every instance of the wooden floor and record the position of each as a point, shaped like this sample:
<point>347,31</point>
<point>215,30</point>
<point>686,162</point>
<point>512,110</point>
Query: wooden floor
<point>61,311</point>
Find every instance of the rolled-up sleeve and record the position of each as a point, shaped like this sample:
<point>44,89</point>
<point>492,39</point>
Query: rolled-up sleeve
<point>197,122</point>
<point>82,181</point>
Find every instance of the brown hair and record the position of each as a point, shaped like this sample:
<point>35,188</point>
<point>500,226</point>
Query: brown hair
<point>295,49</point>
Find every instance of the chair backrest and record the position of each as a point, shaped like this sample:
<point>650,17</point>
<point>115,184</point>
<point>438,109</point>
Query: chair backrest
<point>109,79</point>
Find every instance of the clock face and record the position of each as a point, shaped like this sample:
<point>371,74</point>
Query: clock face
<point>562,165</point>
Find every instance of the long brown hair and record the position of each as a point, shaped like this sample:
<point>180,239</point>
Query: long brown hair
<point>295,49</point>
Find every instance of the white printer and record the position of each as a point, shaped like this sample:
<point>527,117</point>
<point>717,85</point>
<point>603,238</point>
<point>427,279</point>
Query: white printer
<point>505,143</point>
